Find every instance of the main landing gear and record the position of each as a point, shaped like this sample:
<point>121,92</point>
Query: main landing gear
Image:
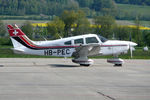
<point>85,65</point>
<point>85,62</point>
<point>116,61</point>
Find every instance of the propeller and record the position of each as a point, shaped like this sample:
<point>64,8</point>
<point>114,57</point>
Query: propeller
<point>131,50</point>
<point>131,45</point>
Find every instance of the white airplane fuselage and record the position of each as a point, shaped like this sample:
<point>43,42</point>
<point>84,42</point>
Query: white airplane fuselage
<point>59,49</point>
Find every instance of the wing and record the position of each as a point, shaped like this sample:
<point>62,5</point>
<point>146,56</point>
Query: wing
<point>83,51</point>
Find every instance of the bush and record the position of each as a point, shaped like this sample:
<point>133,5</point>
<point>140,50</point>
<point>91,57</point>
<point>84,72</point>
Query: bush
<point>5,41</point>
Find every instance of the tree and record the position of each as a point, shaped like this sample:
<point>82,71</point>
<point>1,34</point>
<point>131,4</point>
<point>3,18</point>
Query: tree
<point>122,33</point>
<point>106,23</point>
<point>69,18</point>
<point>56,28</point>
<point>72,5</point>
<point>137,33</point>
<point>108,7</point>
<point>82,24</point>
<point>146,36</point>
<point>27,28</point>
<point>76,21</point>
<point>85,3</point>
<point>2,29</point>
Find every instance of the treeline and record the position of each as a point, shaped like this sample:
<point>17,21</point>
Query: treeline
<point>55,7</point>
<point>35,7</point>
<point>135,2</point>
<point>46,9</point>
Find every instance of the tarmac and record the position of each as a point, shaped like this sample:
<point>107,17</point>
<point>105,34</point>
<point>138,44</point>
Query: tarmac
<point>60,79</point>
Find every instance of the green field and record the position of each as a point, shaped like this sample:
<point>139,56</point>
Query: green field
<point>132,22</point>
<point>6,52</point>
<point>127,11</point>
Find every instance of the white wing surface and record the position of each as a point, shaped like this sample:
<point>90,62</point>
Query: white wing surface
<point>83,51</point>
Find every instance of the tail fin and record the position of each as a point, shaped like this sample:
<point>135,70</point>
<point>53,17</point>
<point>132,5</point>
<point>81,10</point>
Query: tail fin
<point>21,41</point>
<point>14,31</point>
<point>18,38</point>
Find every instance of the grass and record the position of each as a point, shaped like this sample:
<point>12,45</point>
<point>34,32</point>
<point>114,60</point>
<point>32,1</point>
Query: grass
<point>6,52</point>
<point>129,11</point>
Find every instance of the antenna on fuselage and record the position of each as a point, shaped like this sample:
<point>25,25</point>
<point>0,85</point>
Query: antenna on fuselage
<point>130,37</point>
<point>44,38</point>
<point>16,26</point>
<point>59,36</point>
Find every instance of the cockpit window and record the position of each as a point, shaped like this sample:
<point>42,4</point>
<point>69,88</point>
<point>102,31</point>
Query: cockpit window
<point>78,41</point>
<point>91,40</point>
<point>68,43</point>
<point>102,38</point>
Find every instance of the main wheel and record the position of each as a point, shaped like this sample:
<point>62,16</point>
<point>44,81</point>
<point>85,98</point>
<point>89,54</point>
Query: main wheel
<point>118,65</point>
<point>85,65</point>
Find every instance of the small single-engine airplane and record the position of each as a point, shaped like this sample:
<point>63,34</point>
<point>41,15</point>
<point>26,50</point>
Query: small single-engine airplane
<point>79,47</point>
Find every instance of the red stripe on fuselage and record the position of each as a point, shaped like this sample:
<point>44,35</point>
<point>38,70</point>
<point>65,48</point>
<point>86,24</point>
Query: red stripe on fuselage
<point>113,45</point>
<point>46,47</point>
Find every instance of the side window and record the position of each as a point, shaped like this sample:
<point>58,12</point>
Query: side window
<point>78,41</point>
<point>68,43</point>
<point>91,40</point>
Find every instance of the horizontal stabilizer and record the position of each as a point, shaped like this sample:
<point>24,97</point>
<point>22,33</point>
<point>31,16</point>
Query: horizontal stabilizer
<point>18,50</point>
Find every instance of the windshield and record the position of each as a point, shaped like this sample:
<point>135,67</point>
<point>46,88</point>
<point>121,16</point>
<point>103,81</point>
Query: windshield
<point>102,38</point>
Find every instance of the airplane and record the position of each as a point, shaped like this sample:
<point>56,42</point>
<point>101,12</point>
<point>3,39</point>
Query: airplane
<point>79,47</point>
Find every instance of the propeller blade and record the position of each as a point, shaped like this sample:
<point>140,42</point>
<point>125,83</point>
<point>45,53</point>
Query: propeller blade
<point>131,47</point>
<point>131,52</point>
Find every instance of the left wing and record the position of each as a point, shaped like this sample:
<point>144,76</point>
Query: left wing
<point>83,51</point>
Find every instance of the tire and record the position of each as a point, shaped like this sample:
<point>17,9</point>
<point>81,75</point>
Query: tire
<point>118,65</point>
<point>85,65</point>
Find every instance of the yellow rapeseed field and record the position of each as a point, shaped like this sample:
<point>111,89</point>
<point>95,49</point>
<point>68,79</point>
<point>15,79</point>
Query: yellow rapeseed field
<point>93,26</point>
